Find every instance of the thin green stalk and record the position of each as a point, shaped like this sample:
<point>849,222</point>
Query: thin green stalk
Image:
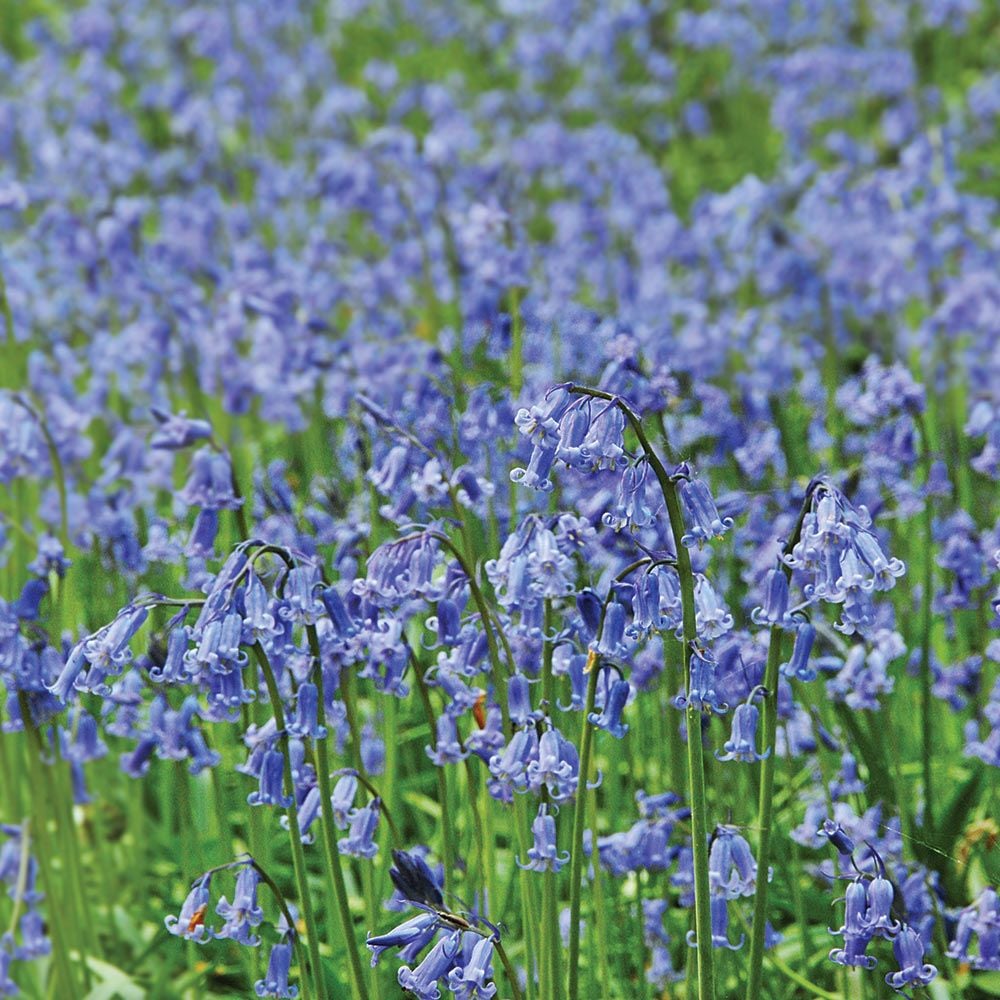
<point>576,850</point>
<point>331,853</point>
<point>695,751</point>
<point>600,911</point>
<point>295,839</point>
<point>44,854</point>
<point>447,831</point>
<point>765,802</point>
<point>926,622</point>
<point>553,945</point>
<point>529,910</point>
<point>283,906</point>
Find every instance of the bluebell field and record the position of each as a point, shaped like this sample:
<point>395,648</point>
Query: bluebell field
<point>500,499</point>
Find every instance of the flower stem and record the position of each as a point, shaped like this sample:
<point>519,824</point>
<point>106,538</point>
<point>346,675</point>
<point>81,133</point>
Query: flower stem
<point>926,622</point>
<point>331,853</point>
<point>298,857</point>
<point>695,751</point>
<point>765,803</point>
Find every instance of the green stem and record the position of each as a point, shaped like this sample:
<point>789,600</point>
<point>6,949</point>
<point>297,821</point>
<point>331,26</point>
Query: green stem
<point>331,852</point>
<point>56,913</point>
<point>576,858</point>
<point>695,751</point>
<point>294,837</point>
<point>447,831</point>
<point>926,621</point>
<point>765,803</point>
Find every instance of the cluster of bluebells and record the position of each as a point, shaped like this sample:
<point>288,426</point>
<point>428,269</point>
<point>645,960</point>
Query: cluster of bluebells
<point>870,912</point>
<point>461,950</point>
<point>241,917</point>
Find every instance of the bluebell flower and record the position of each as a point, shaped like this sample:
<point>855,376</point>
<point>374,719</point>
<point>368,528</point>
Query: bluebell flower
<point>544,855</point>
<point>243,913</point>
<point>855,932</point>
<point>609,718</point>
<point>775,607</point>
<point>210,482</point>
<point>342,799</point>
<point>701,693</point>
<point>201,541</point>
<point>412,935</point>
<point>423,980</point>
<point>556,766</point>
<point>272,777</point>
<point>982,919</point>
<point>913,970</point>
<point>519,701</point>
<point>304,725</point>
<point>702,516</point>
<point>176,431</point>
<point>34,940</point>
<point>414,880</point>
<point>360,840</point>
<point>847,781</point>
<point>448,749</point>
<point>275,982</point>
<point>630,510</point>
<point>712,617</point>
<point>837,836</point>
<point>742,743</point>
<point>878,920</point>
<point>26,607</point>
<point>190,923</point>
<point>372,750</point>
<point>510,768</point>
<point>173,669</point>
<point>720,926</point>
<point>487,739</point>
<point>732,870</point>
<point>470,978</point>
<point>612,639</point>
<point>797,666</point>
